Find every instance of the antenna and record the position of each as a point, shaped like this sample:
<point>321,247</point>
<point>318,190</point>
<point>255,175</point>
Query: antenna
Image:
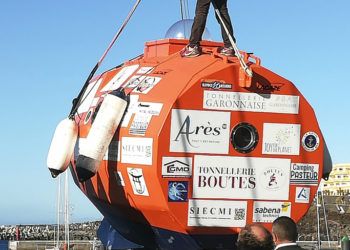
<point>66,211</point>
<point>58,211</point>
<point>63,207</point>
<point>321,204</point>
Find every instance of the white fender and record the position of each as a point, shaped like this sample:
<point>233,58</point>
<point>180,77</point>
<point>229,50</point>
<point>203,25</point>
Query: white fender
<point>62,146</point>
<point>101,133</point>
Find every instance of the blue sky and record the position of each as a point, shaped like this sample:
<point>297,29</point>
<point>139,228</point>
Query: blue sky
<point>48,48</point>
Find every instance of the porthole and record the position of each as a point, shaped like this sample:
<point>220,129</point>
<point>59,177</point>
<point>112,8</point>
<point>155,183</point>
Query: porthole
<point>244,137</point>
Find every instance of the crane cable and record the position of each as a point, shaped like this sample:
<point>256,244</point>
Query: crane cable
<point>77,100</point>
<point>187,10</point>
<point>182,9</point>
<point>185,14</point>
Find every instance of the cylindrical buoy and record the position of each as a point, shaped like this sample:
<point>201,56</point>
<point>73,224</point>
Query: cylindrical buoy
<point>62,146</point>
<point>101,133</point>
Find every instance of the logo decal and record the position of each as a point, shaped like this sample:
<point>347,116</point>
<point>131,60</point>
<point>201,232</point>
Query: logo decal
<point>281,139</point>
<point>199,131</point>
<point>134,81</point>
<point>146,84</point>
<point>137,181</point>
<point>274,178</point>
<point>216,85</point>
<point>310,141</point>
<point>302,195</point>
<point>304,174</point>
<point>140,124</point>
<point>177,167</point>
<point>268,87</point>
<point>136,150</point>
<point>269,211</point>
<point>144,70</point>
<point>225,177</point>
<point>177,191</point>
<point>217,213</point>
<point>250,102</point>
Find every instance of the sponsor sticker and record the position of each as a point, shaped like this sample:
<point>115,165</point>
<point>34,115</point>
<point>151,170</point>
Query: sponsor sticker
<point>88,97</point>
<point>269,87</point>
<point>195,131</point>
<point>136,150</point>
<point>146,84</point>
<point>143,115</point>
<point>161,72</point>
<point>250,102</point>
<point>310,141</point>
<point>149,108</point>
<point>302,194</point>
<point>281,139</point>
<point>120,78</point>
<point>144,70</point>
<point>269,211</point>
<point>134,81</point>
<point>304,174</point>
<point>137,181</point>
<point>112,153</point>
<point>176,166</point>
<point>273,178</point>
<point>241,177</point>
<point>131,110</point>
<point>217,213</point>
<point>140,124</point>
<point>119,178</point>
<point>216,85</point>
<point>177,191</point>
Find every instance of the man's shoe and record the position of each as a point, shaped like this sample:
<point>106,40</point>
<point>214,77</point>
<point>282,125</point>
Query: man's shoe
<point>190,51</point>
<point>227,51</point>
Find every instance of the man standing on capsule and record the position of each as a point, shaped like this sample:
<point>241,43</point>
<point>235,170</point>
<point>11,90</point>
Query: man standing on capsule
<point>193,49</point>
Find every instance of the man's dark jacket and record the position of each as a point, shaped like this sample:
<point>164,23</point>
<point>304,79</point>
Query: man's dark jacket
<point>291,248</point>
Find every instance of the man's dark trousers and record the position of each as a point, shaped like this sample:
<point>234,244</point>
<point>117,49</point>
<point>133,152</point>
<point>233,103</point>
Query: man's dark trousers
<point>202,9</point>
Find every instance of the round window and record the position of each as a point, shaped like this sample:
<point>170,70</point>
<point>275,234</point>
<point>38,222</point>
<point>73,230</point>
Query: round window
<point>244,137</point>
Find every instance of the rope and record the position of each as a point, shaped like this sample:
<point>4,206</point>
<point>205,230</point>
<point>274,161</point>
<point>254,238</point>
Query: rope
<point>247,70</point>
<point>120,31</point>
<point>77,100</point>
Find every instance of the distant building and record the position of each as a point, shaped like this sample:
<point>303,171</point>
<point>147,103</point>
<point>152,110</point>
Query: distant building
<point>339,180</point>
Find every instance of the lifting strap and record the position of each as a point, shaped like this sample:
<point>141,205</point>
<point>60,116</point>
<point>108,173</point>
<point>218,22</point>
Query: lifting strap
<point>245,67</point>
<point>77,100</point>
